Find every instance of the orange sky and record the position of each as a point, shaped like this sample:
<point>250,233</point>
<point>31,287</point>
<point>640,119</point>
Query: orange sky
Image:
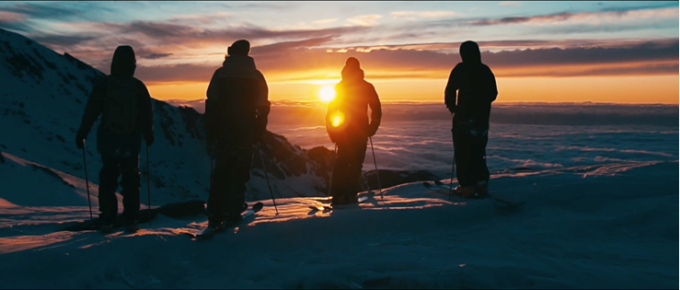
<point>605,89</point>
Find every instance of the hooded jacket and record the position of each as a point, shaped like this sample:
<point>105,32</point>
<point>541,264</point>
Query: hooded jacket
<point>123,67</point>
<point>354,96</point>
<point>237,105</point>
<point>474,85</point>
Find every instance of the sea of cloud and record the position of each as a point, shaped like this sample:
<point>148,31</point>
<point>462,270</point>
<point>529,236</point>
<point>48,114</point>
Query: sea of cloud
<point>417,136</point>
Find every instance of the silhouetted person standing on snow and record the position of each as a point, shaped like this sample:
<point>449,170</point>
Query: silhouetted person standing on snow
<point>127,116</point>
<point>348,127</point>
<point>236,114</point>
<point>475,85</point>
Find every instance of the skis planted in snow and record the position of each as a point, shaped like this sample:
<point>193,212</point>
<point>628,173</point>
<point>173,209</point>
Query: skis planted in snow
<point>440,187</point>
<point>208,232</point>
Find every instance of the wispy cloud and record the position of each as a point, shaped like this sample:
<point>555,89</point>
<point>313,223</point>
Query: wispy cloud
<point>510,3</point>
<point>325,21</point>
<point>413,15</point>
<point>201,18</point>
<point>62,40</point>
<point>365,20</point>
<point>291,61</point>
<point>14,21</point>
<point>9,16</point>
<point>593,18</point>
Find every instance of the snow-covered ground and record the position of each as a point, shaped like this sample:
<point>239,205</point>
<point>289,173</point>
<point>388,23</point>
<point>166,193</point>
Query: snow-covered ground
<point>608,226</point>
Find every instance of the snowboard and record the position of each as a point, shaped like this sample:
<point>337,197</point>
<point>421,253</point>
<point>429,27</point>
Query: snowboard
<point>440,187</point>
<point>327,207</point>
<point>208,232</point>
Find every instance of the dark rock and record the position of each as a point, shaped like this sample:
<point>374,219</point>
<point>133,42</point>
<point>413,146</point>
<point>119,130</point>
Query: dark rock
<point>389,178</point>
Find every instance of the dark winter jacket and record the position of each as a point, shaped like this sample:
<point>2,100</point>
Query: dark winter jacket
<point>476,89</point>
<point>354,96</point>
<point>238,104</point>
<point>108,142</point>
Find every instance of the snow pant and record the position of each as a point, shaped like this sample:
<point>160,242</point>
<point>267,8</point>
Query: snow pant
<point>347,170</point>
<point>114,166</point>
<point>470,150</point>
<point>228,183</point>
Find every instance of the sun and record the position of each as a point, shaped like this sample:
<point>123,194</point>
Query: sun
<point>327,94</point>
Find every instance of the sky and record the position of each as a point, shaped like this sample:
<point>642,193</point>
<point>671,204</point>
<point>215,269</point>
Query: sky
<point>615,52</point>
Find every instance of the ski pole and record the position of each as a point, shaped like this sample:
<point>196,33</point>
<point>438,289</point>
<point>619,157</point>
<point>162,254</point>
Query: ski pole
<point>377,175</point>
<point>148,178</point>
<point>266,176</point>
<point>87,182</point>
<point>453,165</point>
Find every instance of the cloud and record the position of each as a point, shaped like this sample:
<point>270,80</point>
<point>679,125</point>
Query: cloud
<point>171,32</point>
<point>293,61</point>
<point>286,47</point>
<point>13,21</point>
<point>201,18</point>
<point>365,20</point>
<point>8,16</point>
<point>62,40</point>
<point>325,21</point>
<point>43,11</point>
<point>510,3</point>
<point>583,17</point>
<point>424,14</point>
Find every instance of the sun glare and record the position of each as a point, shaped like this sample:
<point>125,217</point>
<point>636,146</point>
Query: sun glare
<point>337,119</point>
<point>327,94</point>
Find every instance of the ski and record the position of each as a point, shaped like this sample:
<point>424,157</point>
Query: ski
<point>208,232</point>
<point>439,187</point>
<point>327,207</point>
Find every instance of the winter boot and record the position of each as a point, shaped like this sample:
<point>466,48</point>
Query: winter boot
<point>132,227</point>
<point>233,219</point>
<point>351,199</point>
<point>215,221</point>
<point>106,228</point>
<point>467,192</point>
<point>482,190</point>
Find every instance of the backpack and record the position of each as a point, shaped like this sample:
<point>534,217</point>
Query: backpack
<point>121,104</point>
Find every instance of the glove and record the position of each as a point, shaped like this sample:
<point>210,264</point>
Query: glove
<point>80,139</point>
<point>149,138</point>
<point>372,130</point>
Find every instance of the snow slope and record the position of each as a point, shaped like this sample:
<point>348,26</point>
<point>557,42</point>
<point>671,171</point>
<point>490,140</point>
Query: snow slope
<point>42,98</point>
<point>591,227</point>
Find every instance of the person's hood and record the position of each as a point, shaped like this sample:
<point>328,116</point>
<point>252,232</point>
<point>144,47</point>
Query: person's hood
<point>239,62</point>
<point>469,52</point>
<point>352,70</point>
<point>239,66</point>
<point>124,62</point>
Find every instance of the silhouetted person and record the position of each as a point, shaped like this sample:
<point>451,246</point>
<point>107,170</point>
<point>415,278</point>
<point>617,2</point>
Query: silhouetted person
<point>349,128</point>
<point>236,114</point>
<point>127,116</point>
<point>476,87</point>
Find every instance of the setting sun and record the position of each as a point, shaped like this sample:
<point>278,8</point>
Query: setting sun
<point>327,94</point>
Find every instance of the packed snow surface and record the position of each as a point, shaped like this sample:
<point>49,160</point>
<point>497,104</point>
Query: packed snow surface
<point>587,227</point>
